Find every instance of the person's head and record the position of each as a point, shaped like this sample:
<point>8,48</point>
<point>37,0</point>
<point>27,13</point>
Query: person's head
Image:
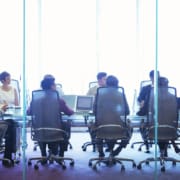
<point>5,77</point>
<point>163,82</point>
<point>101,78</point>
<point>112,81</point>
<point>48,83</point>
<point>47,76</point>
<point>152,73</point>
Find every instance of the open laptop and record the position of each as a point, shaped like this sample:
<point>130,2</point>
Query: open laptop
<point>84,104</point>
<point>71,101</point>
<point>79,103</point>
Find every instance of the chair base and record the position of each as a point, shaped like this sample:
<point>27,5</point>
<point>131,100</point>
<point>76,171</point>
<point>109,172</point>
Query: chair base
<point>109,161</point>
<point>51,158</point>
<point>161,160</point>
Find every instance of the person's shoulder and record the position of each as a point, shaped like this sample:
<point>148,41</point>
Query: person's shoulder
<point>92,90</point>
<point>145,88</point>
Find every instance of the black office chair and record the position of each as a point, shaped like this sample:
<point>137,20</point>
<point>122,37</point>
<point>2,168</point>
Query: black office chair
<point>167,126</point>
<point>59,88</point>
<point>110,114</point>
<point>143,143</point>
<point>46,124</point>
<point>92,84</point>
<point>15,84</point>
<point>90,143</point>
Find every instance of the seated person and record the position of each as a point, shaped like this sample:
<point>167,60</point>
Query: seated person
<point>47,84</point>
<point>101,80</point>
<point>162,82</point>
<point>143,100</point>
<point>58,88</point>
<point>143,97</point>
<point>8,97</point>
<point>112,81</point>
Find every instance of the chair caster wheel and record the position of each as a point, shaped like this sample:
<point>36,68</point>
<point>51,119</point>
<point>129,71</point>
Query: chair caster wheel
<point>36,167</point>
<point>94,167</point>
<point>163,169</point>
<point>17,161</point>
<point>122,168</point>
<point>63,166</point>
<point>139,166</point>
<point>134,165</point>
<point>71,163</point>
<point>90,163</point>
<point>147,162</point>
<point>29,163</point>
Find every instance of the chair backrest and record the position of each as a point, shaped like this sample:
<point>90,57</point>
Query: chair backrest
<point>46,117</point>
<point>59,89</point>
<point>92,84</point>
<point>145,83</point>
<point>110,112</point>
<point>167,113</point>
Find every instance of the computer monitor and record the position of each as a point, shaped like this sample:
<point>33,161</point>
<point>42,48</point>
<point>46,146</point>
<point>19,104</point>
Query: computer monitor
<point>84,104</point>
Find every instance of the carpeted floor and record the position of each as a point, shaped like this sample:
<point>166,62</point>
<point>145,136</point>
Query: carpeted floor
<point>82,171</point>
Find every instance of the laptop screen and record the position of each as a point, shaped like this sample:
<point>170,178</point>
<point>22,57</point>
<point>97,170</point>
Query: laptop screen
<point>84,103</point>
<point>70,101</point>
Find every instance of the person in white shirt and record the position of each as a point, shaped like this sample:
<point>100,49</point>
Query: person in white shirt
<point>8,97</point>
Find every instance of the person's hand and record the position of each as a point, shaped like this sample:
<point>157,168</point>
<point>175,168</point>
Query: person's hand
<point>4,107</point>
<point>141,104</point>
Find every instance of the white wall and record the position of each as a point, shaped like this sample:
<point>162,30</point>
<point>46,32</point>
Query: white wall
<point>74,39</point>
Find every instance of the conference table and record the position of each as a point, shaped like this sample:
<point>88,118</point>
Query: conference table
<point>82,120</point>
<point>77,120</point>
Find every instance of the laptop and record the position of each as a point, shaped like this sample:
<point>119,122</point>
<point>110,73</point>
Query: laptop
<point>71,101</point>
<point>84,104</point>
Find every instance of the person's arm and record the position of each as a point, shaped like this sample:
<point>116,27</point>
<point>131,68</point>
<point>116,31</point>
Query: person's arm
<point>3,107</point>
<point>64,108</point>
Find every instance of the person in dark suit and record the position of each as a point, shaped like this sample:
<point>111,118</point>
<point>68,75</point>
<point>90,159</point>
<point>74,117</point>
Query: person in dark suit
<point>162,82</point>
<point>143,97</point>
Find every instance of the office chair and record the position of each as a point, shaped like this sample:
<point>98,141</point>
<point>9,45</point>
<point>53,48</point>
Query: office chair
<point>92,84</point>
<point>59,88</point>
<point>90,143</point>
<point>167,125</point>
<point>110,117</point>
<point>142,143</point>
<point>3,128</point>
<point>46,124</point>
<point>15,84</point>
